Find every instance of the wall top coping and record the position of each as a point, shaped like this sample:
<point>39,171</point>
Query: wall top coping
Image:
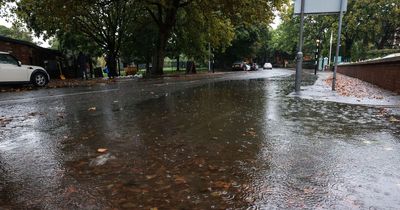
<point>374,61</point>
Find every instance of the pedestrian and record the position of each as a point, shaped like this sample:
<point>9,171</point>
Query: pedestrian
<point>107,70</point>
<point>82,65</point>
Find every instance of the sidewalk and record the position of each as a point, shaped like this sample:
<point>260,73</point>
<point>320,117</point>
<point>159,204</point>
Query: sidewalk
<point>349,91</point>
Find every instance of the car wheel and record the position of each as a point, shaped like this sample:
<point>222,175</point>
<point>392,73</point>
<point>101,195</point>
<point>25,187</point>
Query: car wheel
<point>39,80</point>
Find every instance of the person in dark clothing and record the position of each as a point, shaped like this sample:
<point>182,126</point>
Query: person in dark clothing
<point>82,63</point>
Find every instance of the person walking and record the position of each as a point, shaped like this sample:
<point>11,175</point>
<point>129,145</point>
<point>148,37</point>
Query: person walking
<point>82,64</point>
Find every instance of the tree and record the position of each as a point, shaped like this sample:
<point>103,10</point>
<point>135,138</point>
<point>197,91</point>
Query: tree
<point>103,21</point>
<point>16,32</point>
<point>366,26</point>
<point>165,14</point>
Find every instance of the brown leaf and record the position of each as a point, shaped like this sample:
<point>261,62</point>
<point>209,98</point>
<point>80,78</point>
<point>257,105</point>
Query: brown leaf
<point>222,184</point>
<point>179,179</point>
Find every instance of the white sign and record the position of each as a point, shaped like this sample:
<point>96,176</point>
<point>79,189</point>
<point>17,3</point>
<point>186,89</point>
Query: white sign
<point>319,6</point>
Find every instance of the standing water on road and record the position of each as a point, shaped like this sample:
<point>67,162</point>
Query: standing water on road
<point>235,144</point>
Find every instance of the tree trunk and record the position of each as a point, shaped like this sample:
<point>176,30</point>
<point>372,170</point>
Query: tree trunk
<point>159,54</point>
<point>112,64</point>
<point>178,63</point>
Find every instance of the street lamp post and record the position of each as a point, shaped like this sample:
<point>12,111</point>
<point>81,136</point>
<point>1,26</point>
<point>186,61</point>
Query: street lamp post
<point>317,57</point>
<point>299,66</point>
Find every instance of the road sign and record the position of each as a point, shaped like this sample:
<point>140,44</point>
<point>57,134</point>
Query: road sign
<point>319,6</point>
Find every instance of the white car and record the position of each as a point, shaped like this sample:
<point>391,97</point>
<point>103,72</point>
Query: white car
<point>13,72</point>
<point>267,66</point>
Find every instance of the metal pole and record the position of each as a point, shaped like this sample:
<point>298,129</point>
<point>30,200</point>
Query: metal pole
<point>300,53</point>
<point>338,46</point>
<point>316,58</point>
<point>209,57</point>
<point>330,50</point>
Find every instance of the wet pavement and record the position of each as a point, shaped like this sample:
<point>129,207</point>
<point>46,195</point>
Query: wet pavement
<point>233,142</point>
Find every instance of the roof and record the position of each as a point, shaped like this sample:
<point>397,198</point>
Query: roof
<point>26,43</point>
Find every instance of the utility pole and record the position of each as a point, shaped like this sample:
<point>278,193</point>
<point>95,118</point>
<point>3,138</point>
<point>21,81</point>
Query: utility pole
<point>299,67</point>
<point>209,57</point>
<point>330,50</point>
<point>338,46</point>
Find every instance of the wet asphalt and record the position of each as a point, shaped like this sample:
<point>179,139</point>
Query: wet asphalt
<point>236,141</point>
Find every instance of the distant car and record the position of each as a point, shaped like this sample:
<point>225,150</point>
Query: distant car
<point>239,66</point>
<point>254,67</point>
<point>248,67</point>
<point>13,72</point>
<point>267,66</point>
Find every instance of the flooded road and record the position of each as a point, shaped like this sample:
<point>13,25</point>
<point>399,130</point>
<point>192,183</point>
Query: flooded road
<point>234,142</point>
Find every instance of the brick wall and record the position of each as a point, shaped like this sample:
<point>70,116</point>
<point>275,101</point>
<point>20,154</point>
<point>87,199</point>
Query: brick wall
<point>21,52</point>
<point>384,73</point>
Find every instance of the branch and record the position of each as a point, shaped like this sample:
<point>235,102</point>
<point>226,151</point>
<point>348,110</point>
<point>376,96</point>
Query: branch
<point>154,16</point>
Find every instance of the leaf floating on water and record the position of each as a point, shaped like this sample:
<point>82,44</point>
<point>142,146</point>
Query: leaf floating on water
<point>101,160</point>
<point>148,177</point>
<point>102,150</point>
<point>393,119</point>
<point>222,184</point>
<point>92,109</point>
<point>215,194</point>
<point>179,179</point>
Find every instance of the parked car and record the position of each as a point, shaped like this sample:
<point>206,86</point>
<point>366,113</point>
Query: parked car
<point>239,66</point>
<point>13,72</point>
<point>248,67</point>
<point>254,67</point>
<point>267,66</point>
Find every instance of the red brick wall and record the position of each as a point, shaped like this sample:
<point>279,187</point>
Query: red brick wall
<point>383,73</point>
<point>22,52</point>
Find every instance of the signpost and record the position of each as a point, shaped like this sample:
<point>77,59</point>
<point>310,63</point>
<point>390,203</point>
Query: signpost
<point>317,7</point>
<point>299,66</point>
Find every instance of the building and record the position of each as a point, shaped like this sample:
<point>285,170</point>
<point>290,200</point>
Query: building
<point>31,54</point>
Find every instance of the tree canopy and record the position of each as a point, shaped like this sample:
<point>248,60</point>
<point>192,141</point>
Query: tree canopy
<point>16,31</point>
<point>367,26</point>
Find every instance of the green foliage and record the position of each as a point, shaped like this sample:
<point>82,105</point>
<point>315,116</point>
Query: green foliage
<point>16,32</point>
<point>367,25</point>
<point>102,22</point>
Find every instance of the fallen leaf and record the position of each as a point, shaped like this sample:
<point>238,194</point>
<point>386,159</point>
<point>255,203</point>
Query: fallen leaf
<point>393,119</point>
<point>215,194</point>
<point>102,150</point>
<point>151,176</point>
<point>92,109</point>
<point>179,179</point>
<point>222,184</point>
